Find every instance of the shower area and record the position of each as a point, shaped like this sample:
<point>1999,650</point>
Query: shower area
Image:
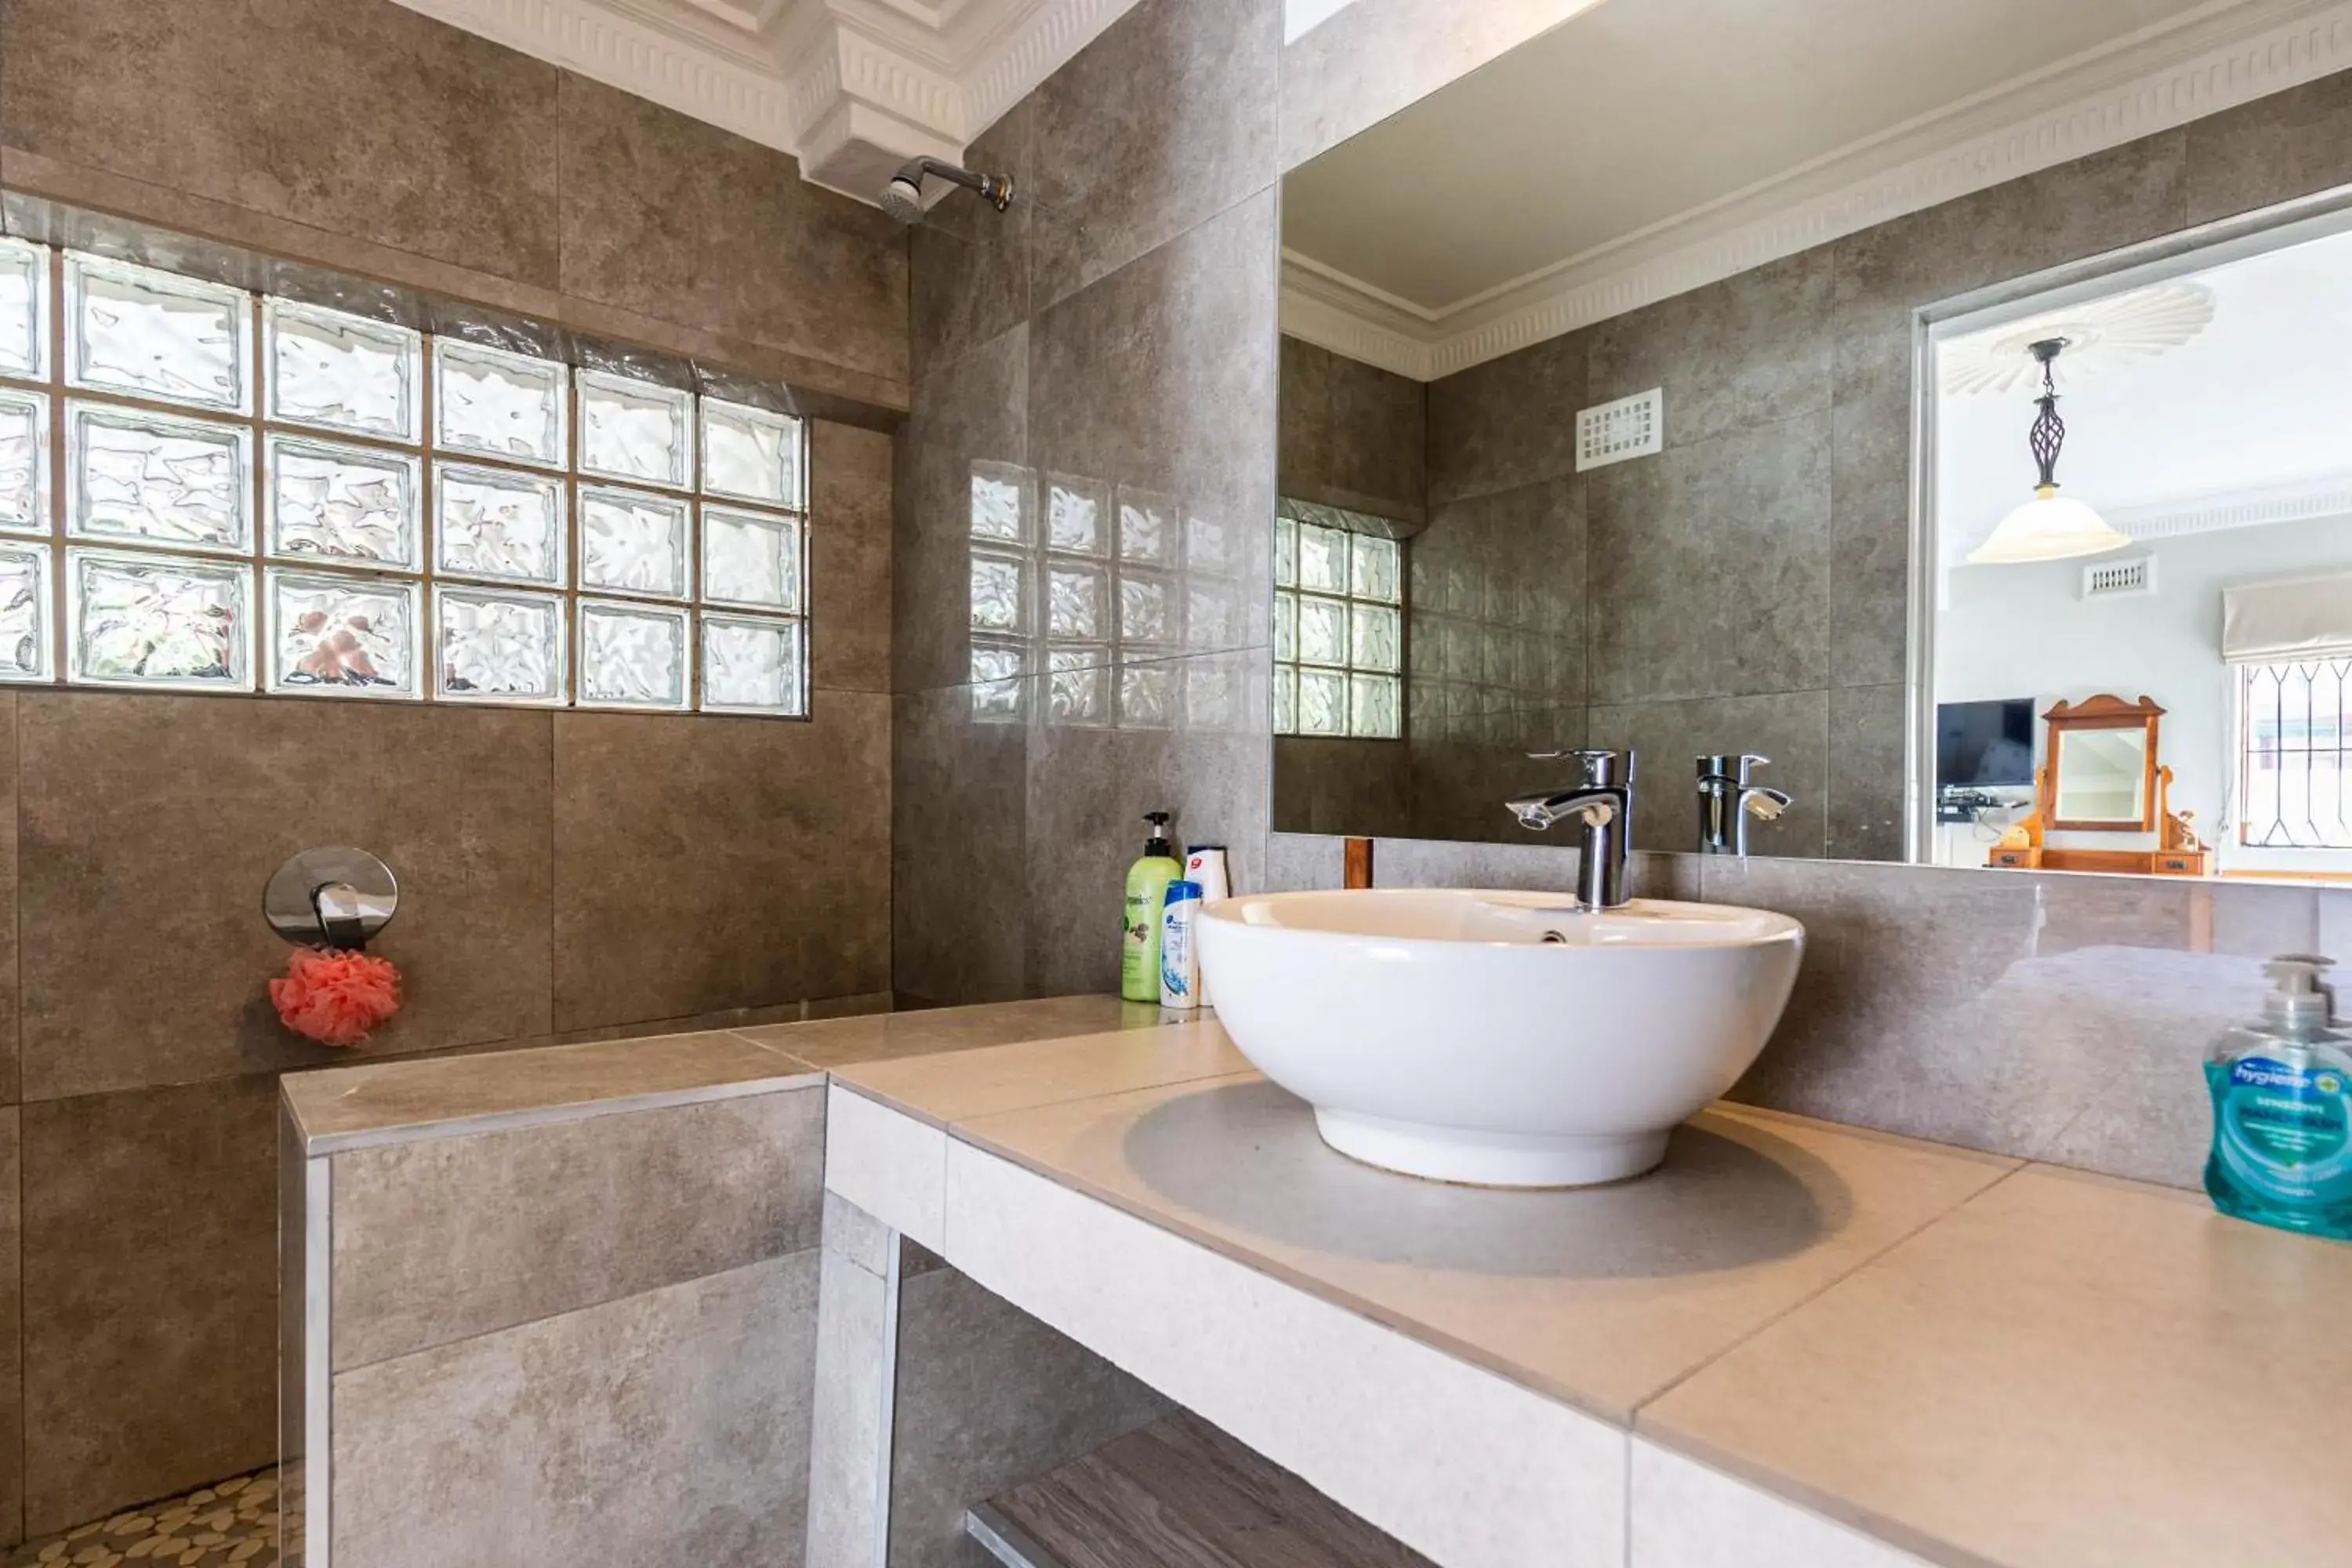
<point>374,471</point>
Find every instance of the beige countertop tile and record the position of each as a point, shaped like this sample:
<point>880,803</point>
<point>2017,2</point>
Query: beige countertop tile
<point>885,1036</point>
<point>1602,1297</point>
<point>2066,1370</point>
<point>342,1106</point>
<point>945,1090</point>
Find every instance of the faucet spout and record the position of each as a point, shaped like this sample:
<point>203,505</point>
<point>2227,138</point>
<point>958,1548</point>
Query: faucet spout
<point>1604,810</point>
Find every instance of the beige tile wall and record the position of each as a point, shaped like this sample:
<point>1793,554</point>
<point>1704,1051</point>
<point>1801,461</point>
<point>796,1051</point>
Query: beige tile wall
<point>579,873</point>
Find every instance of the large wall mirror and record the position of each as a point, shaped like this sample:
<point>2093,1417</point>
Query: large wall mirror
<point>2012,523</point>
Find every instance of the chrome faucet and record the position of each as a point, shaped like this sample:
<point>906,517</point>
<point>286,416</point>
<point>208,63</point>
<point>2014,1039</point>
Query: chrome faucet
<point>1604,807</point>
<point>1729,798</point>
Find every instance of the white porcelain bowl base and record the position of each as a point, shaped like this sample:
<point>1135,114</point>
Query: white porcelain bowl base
<point>1490,1159</point>
<point>1498,1038</point>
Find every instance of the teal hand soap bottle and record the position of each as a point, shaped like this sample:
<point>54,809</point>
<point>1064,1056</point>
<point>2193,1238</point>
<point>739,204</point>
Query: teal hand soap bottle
<point>1147,889</point>
<point>2282,1109</point>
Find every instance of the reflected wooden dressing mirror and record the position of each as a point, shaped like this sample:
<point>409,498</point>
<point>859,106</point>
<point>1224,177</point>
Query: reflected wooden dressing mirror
<point>2101,775</point>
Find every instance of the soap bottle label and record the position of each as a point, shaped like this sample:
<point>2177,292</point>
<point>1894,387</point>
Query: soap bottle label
<point>2282,1130</point>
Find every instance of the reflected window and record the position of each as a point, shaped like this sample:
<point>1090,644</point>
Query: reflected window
<point>2292,773</point>
<point>1339,624</point>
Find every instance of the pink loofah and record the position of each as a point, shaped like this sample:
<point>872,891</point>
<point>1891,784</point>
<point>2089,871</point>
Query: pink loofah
<point>335,997</point>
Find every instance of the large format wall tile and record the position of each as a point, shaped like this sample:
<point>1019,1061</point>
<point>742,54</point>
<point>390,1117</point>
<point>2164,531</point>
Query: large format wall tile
<point>150,824</point>
<point>1163,122</point>
<point>2289,144</point>
<point>149,1326</point>
<point>11,1363</point>
<point>1753,349</point>
<point>10,976</point>
<point>675,219</point>
<point>968,263</point>
<point>708,864</point>
<point>958,849</point>
<point>669,1427</point>
<point>1352,435</point>
<point>438,1240</point>
<point>1866,736</point>
<point>849,558</point>
<point>1710,566</point>
<point>1508,422</point>
<point>969,423</point>
<point>366,120</point>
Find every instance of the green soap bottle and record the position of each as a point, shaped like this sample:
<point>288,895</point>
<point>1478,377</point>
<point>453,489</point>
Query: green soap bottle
<point>2282,1109</point>
<point>1147,889</point>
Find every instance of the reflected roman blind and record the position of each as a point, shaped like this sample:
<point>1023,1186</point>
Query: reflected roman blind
<point>2295,618</point>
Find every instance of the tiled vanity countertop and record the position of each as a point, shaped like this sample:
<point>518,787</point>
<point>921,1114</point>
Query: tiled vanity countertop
<point>1795,1343</point>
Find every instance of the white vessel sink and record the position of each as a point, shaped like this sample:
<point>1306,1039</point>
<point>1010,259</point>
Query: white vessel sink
<point>1505,1039</point>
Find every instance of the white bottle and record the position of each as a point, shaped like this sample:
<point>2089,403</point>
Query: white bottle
<point>1205,864</point>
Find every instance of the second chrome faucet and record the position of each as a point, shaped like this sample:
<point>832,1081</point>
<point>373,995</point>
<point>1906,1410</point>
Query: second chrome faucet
<point>1602,804</point>
<point>1729,798</point>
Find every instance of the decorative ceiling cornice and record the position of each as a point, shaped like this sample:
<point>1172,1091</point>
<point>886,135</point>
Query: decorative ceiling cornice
<point>850,87</point>
<point>2144,84</point>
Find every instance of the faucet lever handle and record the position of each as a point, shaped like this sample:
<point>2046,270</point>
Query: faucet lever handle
<point>1600,766</point>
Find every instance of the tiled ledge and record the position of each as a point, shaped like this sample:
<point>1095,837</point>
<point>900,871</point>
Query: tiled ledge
<point>1796,1344</point>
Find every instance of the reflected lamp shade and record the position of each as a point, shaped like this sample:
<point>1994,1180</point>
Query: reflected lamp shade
<point>2049,527</point>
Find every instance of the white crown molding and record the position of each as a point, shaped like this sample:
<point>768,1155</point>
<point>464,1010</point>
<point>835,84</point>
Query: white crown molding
<point>2301,500</point>
<point>849,88</point>
<point>2226,55</point>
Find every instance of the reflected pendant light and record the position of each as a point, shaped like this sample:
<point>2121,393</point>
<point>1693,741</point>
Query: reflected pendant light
<point>2049,527</point>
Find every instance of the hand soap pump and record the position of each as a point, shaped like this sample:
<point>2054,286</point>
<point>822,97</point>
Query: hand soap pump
<point>1147,891</point>
<point>2283,1109</point>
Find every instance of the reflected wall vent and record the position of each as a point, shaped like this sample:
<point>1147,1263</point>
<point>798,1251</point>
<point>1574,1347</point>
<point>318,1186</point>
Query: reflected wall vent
<point>2118,579</point>
<point>1611,432</point>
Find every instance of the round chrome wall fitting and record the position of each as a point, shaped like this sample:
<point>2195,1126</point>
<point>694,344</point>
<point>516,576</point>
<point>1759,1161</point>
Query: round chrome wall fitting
<point>336,897</point>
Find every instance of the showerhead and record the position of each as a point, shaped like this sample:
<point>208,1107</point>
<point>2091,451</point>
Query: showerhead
<point>902,198</point>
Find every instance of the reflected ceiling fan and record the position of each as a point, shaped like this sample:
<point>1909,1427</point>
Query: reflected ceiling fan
<point>2101,337</point>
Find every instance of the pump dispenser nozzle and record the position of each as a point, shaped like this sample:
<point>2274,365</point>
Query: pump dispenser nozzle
<point>1158,844</point>
<point>2299,998</point>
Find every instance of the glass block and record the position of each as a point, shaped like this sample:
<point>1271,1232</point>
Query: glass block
<point>490,522</point>
<point>497,647</point>
<point>158,621</point>
<point>1147,528</point>
<point>23,462</point>
<point>507,404</point>
<point>1078,687</point>
<point>751,665</point>
<point>342,373</point>
<point>1211,614</point>
<point>156,334</point>
<point>751,454</point>
<point>1077,602</point>
<point>1286,700</point>
<point>1285,553</point>
<point>631,542</point>
<point>1000,502</point>
<point>1208,546</point>
<point>1322,631</point>
<point>1322,559</point>
<point>1286,628</point>
<point>24,309</point>
<point>354,635</point>
<point>632,656</point>
<point>999,594</point>
<point>1374,573</point>
<point>997,683</point>
<point>1075,516</point>
<point>1213,695</point>
<point>1322,703</point>
<point>158,478</point>
<point>1374,641</point>
<point>1373,704</point>
<point>24,612</point>
<point>353,504</point>
<point>1147,607</point>
<point>635,430</point>
<point>1147,697</point>
<point>750,558</point>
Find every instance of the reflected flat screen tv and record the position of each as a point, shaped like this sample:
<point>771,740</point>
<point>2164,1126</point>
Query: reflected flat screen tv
<point>1981,746</point>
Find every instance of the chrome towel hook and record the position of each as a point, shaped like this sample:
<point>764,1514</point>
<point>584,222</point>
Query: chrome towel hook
<point>339,898</point>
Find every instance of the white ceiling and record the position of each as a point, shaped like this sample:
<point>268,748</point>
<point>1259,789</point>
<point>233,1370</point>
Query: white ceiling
<point>1649,146</point>
<point>2244,424</point>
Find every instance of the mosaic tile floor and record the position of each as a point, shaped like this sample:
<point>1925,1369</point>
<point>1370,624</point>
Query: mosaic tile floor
<point>231,1522</point>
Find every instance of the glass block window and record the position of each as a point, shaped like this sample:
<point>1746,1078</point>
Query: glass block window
<point>1339,624</point>
<point>204,488</point>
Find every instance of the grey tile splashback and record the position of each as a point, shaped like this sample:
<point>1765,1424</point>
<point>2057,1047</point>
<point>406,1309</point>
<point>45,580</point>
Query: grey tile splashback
<point>2053,1017</point>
